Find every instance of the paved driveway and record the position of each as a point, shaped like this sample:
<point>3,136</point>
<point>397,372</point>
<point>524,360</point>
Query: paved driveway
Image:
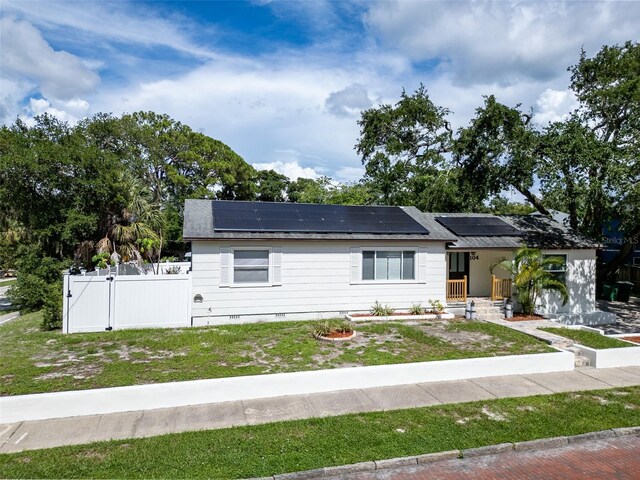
<point>612,458</point>
<point>628,316</point>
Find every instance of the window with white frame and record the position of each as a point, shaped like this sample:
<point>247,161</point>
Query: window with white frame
<point>251,266</point>
<point>388,265</point>
<point>559,270</point>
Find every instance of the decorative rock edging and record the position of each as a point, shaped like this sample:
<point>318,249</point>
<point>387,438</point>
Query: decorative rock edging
<point>335,340</point>
<point>532,445</point>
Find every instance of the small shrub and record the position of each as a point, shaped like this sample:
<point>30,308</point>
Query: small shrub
<point>102,260</point>
<point>327,327</point>
<point>416,309</point>
<point>379,310</point>
<point>28,293</point>
<point>52,309</point>
<point>174,270</point>
<point>36,275</point>
<point>436,306</point>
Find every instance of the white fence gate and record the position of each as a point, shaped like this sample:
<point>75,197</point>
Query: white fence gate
<point>94,303</point>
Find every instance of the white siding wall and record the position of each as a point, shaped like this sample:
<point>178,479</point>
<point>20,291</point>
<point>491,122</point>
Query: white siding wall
<point>315,281</point>
<point>581,283</point>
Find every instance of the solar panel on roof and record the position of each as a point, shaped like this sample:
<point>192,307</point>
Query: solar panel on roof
<point>478,226</point>
<point>283,225</point>
<point>321,226</point>
<point>311,218</point>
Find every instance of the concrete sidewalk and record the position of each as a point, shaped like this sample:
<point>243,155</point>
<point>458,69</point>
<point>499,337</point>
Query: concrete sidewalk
<point>146,423</point>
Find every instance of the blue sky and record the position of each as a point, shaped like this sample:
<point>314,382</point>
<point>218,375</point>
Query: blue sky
<point>283,82</point>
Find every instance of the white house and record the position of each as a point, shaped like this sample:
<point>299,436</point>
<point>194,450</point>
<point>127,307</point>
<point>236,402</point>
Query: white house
<point>262,261</point>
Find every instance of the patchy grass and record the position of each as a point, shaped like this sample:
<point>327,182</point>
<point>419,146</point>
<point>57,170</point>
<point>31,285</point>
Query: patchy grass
<point>262,450</point>
<point>32,361</point>
<point>7,282</point>
<point>587,338</point>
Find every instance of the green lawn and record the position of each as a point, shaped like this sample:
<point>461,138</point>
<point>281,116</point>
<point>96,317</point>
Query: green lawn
<point>7,282</point>
<point>306,444</point>
<point>32,361</point>
<point>587,338</point>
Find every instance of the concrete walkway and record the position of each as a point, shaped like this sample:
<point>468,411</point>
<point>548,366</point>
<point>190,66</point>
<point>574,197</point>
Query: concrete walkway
<point>628,314</point>
<point>78,430</point>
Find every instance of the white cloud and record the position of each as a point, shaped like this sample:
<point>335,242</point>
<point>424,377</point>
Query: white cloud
<point>267,112</point>
<point>290,169</point>
<point>119,21</point>
<point>555,105</point>
<point>349,101</point>
<point>349,174</point>
<point>501,41</point>
<point>25,54</point>
<point>39,106</point>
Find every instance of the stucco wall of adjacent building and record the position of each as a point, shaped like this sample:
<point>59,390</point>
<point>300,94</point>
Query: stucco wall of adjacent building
<point>580,281</point>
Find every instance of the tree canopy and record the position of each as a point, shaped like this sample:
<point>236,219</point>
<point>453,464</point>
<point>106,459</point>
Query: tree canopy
<point>586,165</point>
<point>118,184</point>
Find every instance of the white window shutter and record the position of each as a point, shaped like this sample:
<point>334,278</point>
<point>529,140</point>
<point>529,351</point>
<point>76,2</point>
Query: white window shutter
<point>225,267</point>
<point>422,265</point>
<point>276,260</point>
<point>355,265</point>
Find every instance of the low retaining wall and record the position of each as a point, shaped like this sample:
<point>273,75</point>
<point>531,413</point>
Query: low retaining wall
<point>196,392</point>
<point>611,357</point>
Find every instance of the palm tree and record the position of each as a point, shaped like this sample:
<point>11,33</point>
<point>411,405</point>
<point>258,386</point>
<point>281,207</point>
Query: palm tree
<point>529,271</point>
<point>133,234</point>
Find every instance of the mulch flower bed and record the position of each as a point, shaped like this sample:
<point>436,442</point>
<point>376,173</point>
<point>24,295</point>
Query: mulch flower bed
<point>634,339</point>
<point>338,334</point>
<point>521,317</point>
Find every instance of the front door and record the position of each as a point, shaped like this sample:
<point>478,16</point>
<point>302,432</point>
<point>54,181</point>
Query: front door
<point>459,266</point>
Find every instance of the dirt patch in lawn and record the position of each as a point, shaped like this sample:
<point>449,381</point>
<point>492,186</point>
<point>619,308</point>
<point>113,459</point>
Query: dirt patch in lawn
<point>87,360</point>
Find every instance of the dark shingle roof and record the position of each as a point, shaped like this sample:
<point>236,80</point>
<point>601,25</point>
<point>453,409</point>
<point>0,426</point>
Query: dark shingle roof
<point>199,224</point>
<point>537,231</point>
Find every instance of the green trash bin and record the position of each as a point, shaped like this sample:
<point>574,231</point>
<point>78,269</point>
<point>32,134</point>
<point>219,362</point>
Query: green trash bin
<point>609,292</point>
<point>624,291</point>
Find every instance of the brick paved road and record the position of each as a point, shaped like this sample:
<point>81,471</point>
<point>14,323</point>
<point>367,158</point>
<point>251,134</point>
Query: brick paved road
<point>615,458</point>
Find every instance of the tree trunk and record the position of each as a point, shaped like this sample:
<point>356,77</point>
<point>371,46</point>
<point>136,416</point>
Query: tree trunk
<point>533,200</point>
<point>159,254</point>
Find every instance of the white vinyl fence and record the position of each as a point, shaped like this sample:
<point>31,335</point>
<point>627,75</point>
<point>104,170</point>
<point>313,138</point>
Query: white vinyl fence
<point>99,302</point>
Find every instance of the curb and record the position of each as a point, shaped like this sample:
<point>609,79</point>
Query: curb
<point>389,463</point>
